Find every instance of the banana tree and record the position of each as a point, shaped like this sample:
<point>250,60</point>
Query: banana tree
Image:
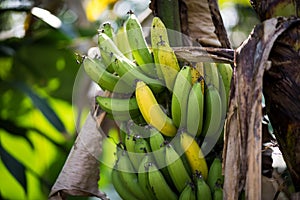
<point>265,63</point>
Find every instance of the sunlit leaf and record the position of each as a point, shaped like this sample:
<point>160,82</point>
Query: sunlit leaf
<point>12,128</point>
<point>16,168</point>
<point>43,106</point>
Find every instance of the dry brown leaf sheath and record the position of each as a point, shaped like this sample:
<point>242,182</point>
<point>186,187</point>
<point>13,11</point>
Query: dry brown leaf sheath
<point>242,152</point>
<point>80,174</point>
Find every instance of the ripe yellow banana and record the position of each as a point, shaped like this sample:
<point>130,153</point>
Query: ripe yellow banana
<point>168,64</point>
<point>193,154</point>
<point>164,56</point>
<point>195,109</point>
<point>176,168</point>
<point>151,110</point>
<point>158,34</point>
<point>139,46</point>
<point>182,87</point>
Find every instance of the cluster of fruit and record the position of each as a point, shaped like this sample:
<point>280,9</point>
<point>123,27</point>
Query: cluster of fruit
<point>164,109</point>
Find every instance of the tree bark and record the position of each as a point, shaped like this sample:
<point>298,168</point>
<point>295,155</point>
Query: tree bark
<point>242,153</point>
<point>281,90</point>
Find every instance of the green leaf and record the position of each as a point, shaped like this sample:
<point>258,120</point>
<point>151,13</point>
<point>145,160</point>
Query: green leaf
<point>43,106</point>
<point>13,129</point>
<point>16,168</point>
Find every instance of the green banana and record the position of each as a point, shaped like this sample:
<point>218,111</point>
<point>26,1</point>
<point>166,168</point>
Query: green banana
<point>119,186</point>
<point>203,190</point>
<point>188,192</point>
<point>141,148</point>
<point>129,73</point>
<point>152,112</point>
<point>130,148</point>
<point>195,109</point>
<point>211,74</point>
<point>96,70</point>
<point>127,175</point>
<point>158,184</point>
<point>123,131</point>
<point>213,112</point>
<point>225,71</point>
<point>143,177</point>
<point>117,106</point>
<point>158,35</point>
<point>140,50</point>
<point>215,174</point>
<point>122,43</point>
<point>176,168</point>
<point>108,50</point>
<point>157,144</point>
<point>108,30</point>
<point>218,193</point>
<point>182,87</point>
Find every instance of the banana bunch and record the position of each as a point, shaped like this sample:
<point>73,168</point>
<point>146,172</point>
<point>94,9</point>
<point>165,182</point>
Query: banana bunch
<point>166,112</point>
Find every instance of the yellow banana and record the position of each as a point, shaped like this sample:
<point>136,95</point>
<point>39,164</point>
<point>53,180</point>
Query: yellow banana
<point>180,96</point>
<point>151,110</point>
<point>164,56</point>
<point>158,34</point>
<point>195,109</point>
<point>195,74</point>
<point>193,154</point>
<point>168,64</point>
